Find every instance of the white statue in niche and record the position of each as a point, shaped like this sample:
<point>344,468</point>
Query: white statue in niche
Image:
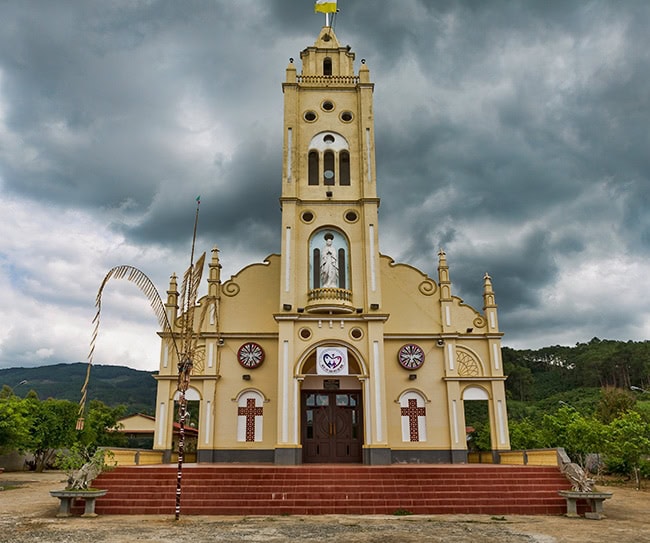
<point>329,269</point>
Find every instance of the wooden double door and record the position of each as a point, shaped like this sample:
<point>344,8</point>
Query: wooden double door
<point>332,429</point>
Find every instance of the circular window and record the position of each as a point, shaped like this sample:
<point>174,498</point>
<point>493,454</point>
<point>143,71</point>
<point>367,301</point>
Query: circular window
<point>328,138</point>
<point>351,216</point>
<point>307,216</point>
<point>304,333</point>
<point>327,105</point>
<point>356,333</point>
<point>310,116</point>
<point>346,116</point>
<point>250,355</point>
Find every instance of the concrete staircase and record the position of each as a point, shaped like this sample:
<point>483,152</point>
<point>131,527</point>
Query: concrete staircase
<point>236,489</point>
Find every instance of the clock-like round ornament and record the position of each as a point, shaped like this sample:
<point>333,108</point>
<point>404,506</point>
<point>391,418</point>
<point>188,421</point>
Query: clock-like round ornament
<point>410,356</point>
<point>250,355</point>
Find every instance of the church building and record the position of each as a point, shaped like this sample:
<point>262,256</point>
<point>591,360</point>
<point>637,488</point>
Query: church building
<point>331,352</point>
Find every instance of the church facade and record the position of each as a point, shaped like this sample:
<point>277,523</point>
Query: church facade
<point>331,352</point>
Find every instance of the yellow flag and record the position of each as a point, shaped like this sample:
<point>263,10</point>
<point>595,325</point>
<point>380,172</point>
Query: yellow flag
<point>325,6</point>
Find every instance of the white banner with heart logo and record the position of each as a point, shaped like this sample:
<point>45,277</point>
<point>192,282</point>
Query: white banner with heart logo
<point>331,361</point>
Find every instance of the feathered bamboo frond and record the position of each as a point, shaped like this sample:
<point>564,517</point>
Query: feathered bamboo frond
<point>140,279</point>
<point>189,291</point>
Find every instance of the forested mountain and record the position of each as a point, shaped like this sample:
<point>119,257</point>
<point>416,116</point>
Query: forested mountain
<point>535,375</point>
<point>113,385</point>
<point>537,379</point>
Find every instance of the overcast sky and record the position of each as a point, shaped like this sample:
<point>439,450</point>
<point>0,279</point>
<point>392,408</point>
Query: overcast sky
<point>516,135</point>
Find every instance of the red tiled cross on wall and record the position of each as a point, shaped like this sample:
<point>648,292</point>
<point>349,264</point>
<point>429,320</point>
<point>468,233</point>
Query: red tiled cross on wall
<point>250,412</point>
<point>413,412</point>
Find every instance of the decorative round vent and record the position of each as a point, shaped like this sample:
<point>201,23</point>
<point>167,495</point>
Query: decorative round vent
<point>250,355</point>
<point>351,216</point>
<point>346,116</point>
<point>410,356</point>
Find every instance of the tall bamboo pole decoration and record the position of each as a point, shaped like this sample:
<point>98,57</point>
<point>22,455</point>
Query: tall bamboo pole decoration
<point>190,286</point>
<point>188,340</point>
<point>139,278</point>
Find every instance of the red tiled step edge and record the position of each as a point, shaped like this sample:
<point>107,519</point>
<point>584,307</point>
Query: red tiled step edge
<point>227,489</point>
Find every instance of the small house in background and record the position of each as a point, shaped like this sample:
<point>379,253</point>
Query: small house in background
<point>139,430</point>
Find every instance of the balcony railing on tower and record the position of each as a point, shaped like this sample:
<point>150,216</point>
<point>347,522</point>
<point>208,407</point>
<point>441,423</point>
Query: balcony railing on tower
<point>327,80</point>
<point>329,300</point>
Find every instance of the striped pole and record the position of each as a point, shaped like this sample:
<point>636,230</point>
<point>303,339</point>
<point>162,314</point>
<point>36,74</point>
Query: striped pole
<point>182,413</point>
<point>186,363</point>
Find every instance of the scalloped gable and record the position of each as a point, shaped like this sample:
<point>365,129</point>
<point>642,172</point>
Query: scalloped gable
<point>251,297</point>
<point>466,317</point>
<point>411,297</point>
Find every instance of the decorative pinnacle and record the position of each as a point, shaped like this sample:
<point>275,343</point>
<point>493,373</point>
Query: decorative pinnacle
<point>442,257</point>
<point>173,283</point>
<point>215,254</point>
<point>487,282</point>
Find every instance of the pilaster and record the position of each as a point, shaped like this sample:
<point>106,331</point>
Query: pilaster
<point>445,293</point>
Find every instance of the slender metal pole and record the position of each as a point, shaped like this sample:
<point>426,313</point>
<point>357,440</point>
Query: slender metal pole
<point>185,367</point>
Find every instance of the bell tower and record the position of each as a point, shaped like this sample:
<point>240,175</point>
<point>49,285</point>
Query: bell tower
<point>330,288</point>
<point>331,352</point>
<point>329,197</point>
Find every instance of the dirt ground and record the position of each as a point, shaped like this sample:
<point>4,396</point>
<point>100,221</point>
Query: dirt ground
<point>28,514</point>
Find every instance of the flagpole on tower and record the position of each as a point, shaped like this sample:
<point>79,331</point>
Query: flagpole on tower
<point>327,7</point>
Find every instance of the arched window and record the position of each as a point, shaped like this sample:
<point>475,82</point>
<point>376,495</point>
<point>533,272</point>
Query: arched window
<point>414,416</point>
<point>250,413</point>
<point>344,167</point>
<point>328,167</point>
<point>327,66</point>
<point>313,167</point>
<point>328,158</point>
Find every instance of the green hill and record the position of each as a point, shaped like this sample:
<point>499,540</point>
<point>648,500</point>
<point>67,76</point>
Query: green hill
<point>113,385</point>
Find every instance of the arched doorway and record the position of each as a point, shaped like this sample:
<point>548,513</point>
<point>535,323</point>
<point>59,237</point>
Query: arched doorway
<point>476,402</point>
<point>331,414</point>
<point>191,430</point>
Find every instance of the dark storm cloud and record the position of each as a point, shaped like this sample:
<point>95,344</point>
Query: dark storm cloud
<point>512,134</point>
<point>243,198</point>
<point>96,90</point>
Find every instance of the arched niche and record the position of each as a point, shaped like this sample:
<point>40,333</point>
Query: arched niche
<point>329,262</point>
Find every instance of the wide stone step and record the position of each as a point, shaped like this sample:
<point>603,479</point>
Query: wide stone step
<point>314,490</point>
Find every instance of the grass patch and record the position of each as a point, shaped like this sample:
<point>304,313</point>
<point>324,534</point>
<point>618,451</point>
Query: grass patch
<point>11,485</point>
